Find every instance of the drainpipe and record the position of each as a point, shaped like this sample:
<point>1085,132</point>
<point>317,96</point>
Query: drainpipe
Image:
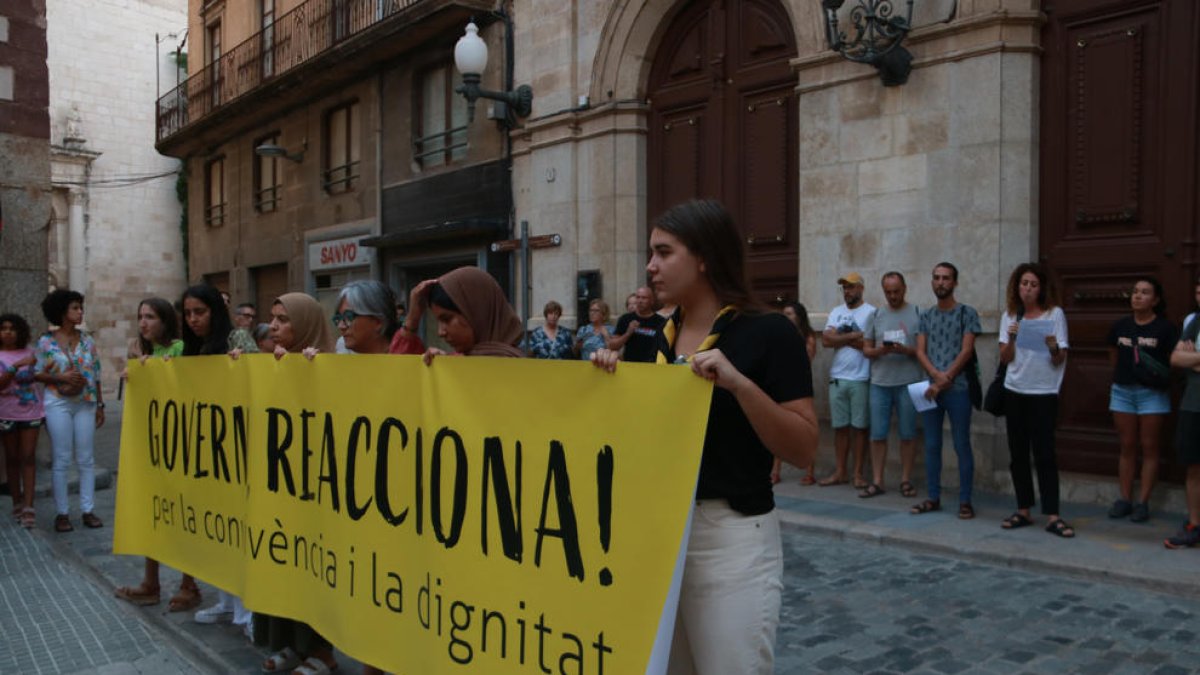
<point>377,228</point>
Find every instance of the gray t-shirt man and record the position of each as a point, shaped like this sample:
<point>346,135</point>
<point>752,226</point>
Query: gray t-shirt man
<point>900,326</point>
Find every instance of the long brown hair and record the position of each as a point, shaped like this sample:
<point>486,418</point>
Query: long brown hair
<point>170,323</point>
<point>708,232</point>
<point>1047,291</point>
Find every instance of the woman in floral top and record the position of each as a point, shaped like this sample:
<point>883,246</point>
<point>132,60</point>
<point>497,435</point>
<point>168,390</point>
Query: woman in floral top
<point>68,365</point>
<point>550,341</point>
<point>594,334</point>
<point>20,414</point>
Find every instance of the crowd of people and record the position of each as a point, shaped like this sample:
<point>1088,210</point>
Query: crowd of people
<point>889,362</point>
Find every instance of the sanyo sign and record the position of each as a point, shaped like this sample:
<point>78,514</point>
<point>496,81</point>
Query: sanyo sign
<point>338,253</point>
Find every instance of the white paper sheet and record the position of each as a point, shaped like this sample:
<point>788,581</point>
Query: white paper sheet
<point>1032,334</point>
<point>916,391</point>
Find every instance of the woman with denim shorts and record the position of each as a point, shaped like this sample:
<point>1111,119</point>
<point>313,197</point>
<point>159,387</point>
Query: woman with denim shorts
<point>1140,348</point>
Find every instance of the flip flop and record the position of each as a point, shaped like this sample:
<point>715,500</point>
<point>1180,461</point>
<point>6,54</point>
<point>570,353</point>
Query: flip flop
<point>872,490</point>
<point>808,479</point>
<point>138,595</point>
<point>827,482</point>
<point>1015,520</point>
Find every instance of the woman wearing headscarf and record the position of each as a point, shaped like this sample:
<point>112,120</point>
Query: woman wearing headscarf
<point>298,325</point>
<point>473,315</point>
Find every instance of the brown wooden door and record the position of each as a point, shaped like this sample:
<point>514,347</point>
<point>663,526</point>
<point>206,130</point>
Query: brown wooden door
<point>1118,185</point>
<point>723,125</point>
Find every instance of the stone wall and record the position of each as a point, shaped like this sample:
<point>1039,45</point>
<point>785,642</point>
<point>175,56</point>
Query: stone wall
<point>24,160</point>
<point>103,62</point>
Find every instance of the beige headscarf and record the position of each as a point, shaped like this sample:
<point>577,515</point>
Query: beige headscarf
<point>496,326</point>
<point>310,328</point>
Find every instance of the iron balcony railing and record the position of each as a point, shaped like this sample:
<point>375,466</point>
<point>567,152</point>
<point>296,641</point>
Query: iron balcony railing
<point>291,40</point>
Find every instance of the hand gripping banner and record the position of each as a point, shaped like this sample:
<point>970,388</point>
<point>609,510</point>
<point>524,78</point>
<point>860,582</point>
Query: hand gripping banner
<point>476,515</point>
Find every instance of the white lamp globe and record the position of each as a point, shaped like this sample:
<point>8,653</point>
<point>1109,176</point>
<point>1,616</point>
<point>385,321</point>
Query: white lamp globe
<point>470,52</point>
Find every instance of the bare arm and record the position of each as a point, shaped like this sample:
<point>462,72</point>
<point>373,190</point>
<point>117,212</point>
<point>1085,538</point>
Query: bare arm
<point>832,338</point>
<point>964,355</point>
<point>618,341</point>
<point>1185,355</point>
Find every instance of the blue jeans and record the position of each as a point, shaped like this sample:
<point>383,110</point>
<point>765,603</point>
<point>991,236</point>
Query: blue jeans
<point>957,403</point>
<point>72,426</point>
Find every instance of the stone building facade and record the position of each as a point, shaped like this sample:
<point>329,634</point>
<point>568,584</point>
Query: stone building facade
<point>1027,130</point>
<point>24,158</point>
<point>114,232</point>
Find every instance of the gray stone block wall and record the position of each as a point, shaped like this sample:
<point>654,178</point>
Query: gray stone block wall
<point>25,200</point>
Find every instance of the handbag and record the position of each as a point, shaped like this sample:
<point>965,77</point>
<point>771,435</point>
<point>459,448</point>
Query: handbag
<point>1149,371</point>
<point>993,402</point>
<point>974,388</point>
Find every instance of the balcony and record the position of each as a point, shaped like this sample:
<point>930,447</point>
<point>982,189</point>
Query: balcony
<point>311,50</point>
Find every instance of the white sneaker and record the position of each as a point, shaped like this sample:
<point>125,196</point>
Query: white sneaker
<point>215,614</point>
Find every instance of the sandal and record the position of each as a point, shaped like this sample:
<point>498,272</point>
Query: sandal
<point>860,484</point>
<point>908,489</point>
<point>925,507</point>
<point>872,490</point>
<point>1015,520</point>
<point>62,523</point>
<point>827,482</point>
<point>28,518</point>
<point>808,479</point>
<point>314,666</point>
<point>139,595</point>
<point>1061,528</point>
<point>185,599</point>
<point>282,660</point>
<point>966,512</point>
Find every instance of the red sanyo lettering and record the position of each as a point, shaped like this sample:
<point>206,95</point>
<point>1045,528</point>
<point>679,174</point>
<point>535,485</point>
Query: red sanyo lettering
<point>339,253</point>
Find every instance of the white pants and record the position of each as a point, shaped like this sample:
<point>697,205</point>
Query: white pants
<point>71,424</point>
<point>731,594</point>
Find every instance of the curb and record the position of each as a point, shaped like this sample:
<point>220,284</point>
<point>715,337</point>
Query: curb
<point>993,555</point>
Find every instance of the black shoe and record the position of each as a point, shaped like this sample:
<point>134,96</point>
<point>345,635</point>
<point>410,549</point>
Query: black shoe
<point>1141,513</point>
<point>1188,536</point>
<point>1120,509</point>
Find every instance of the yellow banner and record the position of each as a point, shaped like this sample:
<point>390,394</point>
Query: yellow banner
<point>479,514</point>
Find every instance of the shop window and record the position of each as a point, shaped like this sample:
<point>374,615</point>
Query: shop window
<point>342,148</point>
<point>214,192</point>
<point>267,181</point>
<point>441,133</point>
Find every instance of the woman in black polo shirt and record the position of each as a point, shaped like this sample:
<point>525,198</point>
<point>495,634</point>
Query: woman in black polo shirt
<point>761,408</point>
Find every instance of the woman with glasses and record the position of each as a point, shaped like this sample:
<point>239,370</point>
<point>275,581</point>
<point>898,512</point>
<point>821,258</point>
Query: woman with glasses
<point>595,333</point>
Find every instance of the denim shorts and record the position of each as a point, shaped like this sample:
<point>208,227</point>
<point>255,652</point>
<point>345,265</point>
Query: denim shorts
<point>848,404</point>
<point>1138,400</point>
<point>883,399</point>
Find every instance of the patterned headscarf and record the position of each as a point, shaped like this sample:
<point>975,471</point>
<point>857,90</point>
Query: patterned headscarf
<point>496,326</point>
<point>310,328</point>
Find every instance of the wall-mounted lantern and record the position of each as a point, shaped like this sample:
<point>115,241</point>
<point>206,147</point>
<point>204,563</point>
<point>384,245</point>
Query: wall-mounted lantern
<point>273,150</point>
<point>471,57</point>
<point>878,32</point>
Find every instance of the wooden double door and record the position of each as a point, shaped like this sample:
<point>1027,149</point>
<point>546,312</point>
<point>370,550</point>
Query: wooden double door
<point>1119,186</point>
<point>723,124</point>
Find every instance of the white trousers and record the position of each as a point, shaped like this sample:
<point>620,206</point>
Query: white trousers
<point>72,427</point>
<point>731,594</point>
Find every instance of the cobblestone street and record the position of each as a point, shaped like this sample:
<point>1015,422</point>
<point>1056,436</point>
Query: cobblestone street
<point>857,607</point>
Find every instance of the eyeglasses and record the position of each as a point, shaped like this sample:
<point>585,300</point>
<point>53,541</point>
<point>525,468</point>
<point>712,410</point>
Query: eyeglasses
<point>347,317</point>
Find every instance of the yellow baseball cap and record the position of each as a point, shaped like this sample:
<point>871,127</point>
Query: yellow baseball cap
<point>851,279</point>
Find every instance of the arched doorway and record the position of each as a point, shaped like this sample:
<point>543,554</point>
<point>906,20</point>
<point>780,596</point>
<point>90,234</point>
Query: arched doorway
<point>722,124</point>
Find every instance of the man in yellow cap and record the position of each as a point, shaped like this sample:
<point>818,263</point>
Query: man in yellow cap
<point>848,378</point>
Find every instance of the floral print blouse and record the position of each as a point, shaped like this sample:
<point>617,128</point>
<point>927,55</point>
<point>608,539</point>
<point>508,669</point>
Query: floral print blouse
<point>56,359</point>
<point>542,347</point>
<point>591,340</point>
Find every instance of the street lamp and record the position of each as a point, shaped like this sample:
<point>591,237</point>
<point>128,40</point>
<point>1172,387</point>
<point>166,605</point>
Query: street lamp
<point>470,58</point>
<point>878,33</point>
<point>273,150</point>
